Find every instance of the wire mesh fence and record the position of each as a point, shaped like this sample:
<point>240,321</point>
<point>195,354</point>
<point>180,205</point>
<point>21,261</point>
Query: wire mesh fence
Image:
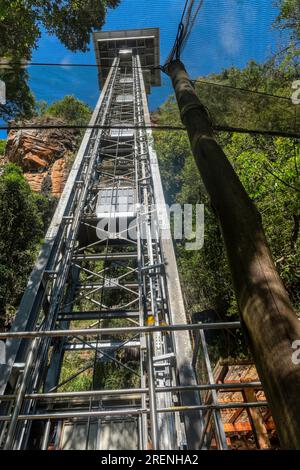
<point>208,36</point>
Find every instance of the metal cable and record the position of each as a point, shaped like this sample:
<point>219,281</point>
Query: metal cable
<point>217,128</point>
<point>187,22</point>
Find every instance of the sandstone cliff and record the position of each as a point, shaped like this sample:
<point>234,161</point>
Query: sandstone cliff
<point>44,154</point>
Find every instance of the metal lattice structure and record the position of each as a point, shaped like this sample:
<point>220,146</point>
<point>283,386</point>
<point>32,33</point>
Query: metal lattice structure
<point>108,266</point>
<point>104,262</point>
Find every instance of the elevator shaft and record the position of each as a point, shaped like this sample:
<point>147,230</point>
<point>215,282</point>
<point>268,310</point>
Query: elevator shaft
<point>107,261</point>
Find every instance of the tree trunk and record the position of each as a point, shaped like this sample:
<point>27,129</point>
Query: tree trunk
<point>266,311</point>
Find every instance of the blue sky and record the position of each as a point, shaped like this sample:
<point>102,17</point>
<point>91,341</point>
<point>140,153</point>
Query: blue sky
<point>228,32</point>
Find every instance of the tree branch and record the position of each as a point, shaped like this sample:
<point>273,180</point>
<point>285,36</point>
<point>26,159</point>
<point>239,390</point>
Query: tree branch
<point>282,181</point>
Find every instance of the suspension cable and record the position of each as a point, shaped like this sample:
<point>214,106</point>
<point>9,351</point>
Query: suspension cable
<point>185,27</point>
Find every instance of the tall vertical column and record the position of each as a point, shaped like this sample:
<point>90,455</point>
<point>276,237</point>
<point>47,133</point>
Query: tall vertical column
<point>182,340</point>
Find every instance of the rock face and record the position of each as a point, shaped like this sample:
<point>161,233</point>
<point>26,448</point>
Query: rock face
<point>44,154</point>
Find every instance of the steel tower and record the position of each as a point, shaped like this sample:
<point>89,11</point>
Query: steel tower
<point>107,261</point>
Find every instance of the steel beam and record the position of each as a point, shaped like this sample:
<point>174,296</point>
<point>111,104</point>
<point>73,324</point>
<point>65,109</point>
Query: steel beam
<point>226,387</point>
<point>105,345</point>
<point>98,315</point>
<point>132,411</point>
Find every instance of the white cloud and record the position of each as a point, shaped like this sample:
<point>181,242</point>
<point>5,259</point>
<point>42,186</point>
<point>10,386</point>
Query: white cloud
<point>66,60</point>
<point>230,31</point>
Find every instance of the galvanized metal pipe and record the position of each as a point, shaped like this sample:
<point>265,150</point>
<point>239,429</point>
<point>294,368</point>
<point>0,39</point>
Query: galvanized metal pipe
<point>208,418</point>
<point>138,391</point>
<point>20,396</point>
<point>132,412</point>
<point>128,329</point>
<point>46,435</point>
<point>152,398</point>
<point>219,427</point>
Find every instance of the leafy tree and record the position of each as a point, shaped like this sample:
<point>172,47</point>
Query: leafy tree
<point>265,78</point>
<point>289,17</point>
<point>21,228</point>
<point>71,21</point>
<point>288,21</point>
<point>21,22</point>
<point>20,100</point>
<point>232,104</point>
<point>19,28</point>
<point>70,109</point>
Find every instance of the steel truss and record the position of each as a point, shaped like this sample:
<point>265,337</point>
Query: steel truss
<point>120,285</point>
<point>100,271</point>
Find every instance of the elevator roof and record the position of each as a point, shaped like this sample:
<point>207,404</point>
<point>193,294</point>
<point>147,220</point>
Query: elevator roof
<point>145,42</point>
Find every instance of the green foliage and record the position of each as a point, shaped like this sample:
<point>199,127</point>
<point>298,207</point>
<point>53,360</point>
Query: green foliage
<point>172,149</point>
<point>20,101</point>
<point>2,146</point>
<point>269,168</point>
<point>70,109</point>
<point>288,21</point>
<point>21,23</point>
<point>289,17</point>
<point>71,21</point>
<point>110,376</point>
<point>257,77</point>
<point>19,28</point>
<point>73,362</point>
<point>257,98</point>
<point>21,228</point>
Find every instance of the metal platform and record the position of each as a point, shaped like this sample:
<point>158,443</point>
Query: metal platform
<point>143,42</point>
